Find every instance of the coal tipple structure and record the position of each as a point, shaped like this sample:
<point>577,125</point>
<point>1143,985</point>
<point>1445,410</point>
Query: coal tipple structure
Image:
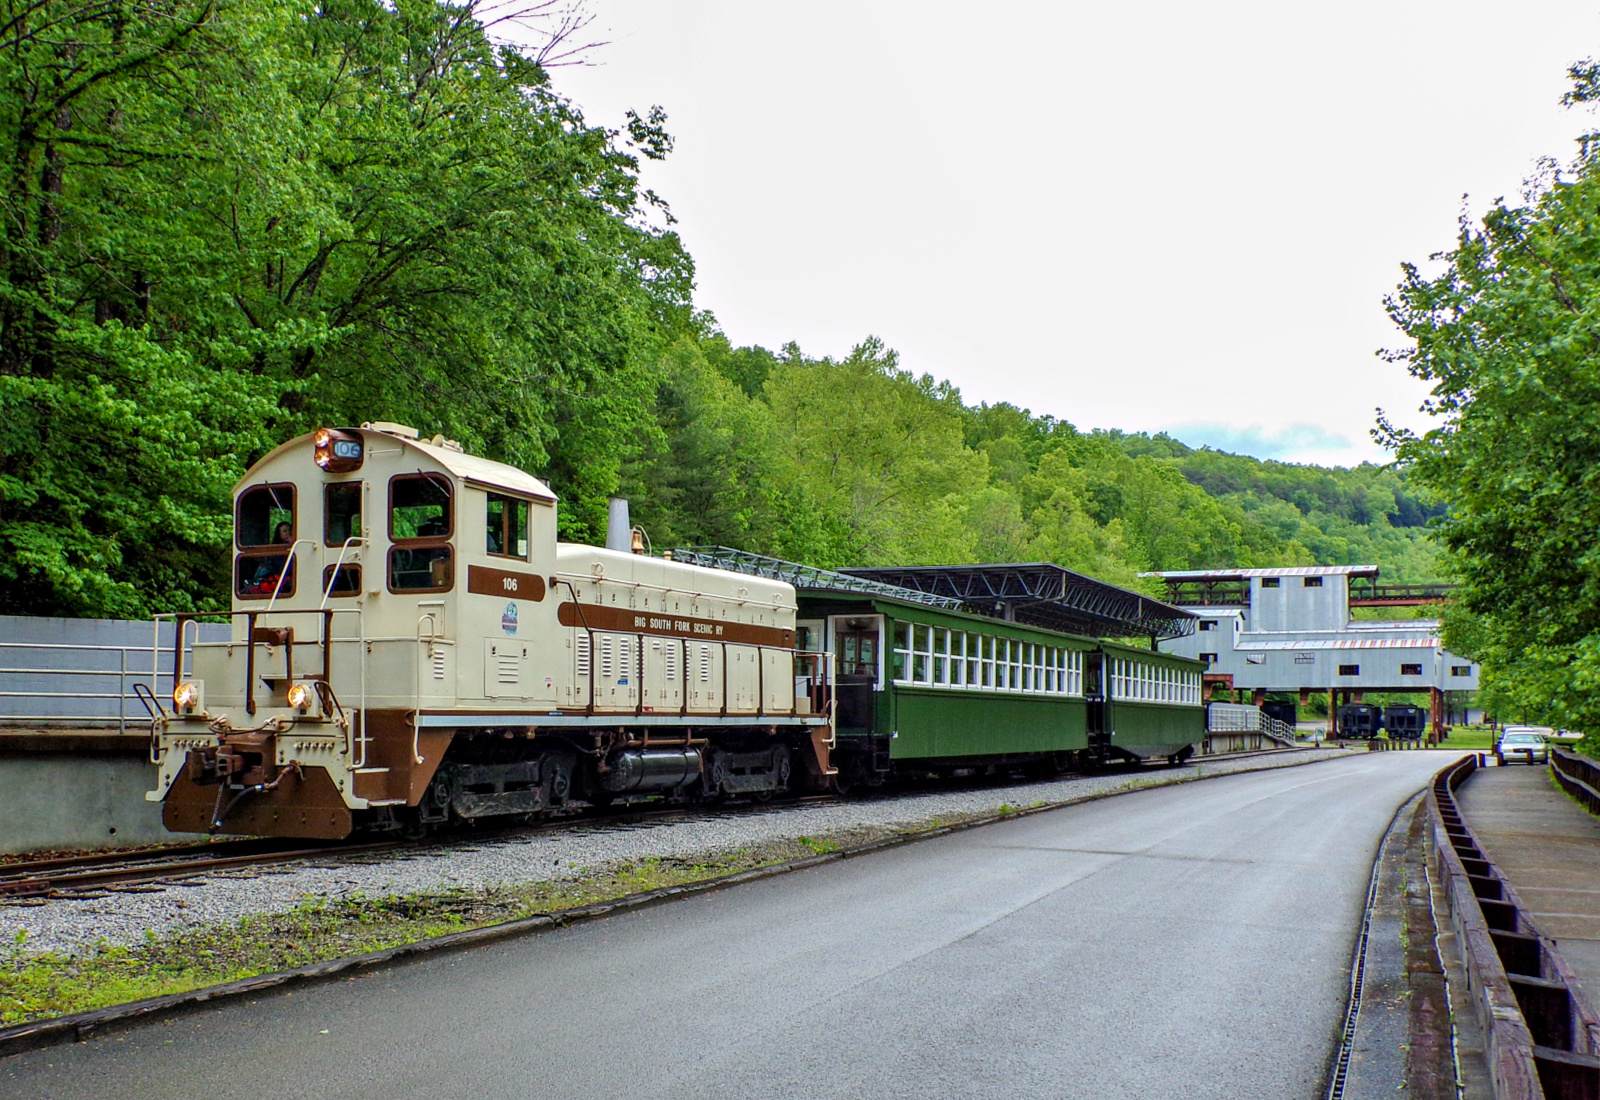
<point>1291,630</point>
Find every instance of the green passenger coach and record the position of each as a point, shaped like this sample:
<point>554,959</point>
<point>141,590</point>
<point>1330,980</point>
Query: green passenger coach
<point>946,689</point>
<point>984,667</point>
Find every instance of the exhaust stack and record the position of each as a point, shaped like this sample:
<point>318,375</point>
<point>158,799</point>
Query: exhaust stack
<point>619,531</point>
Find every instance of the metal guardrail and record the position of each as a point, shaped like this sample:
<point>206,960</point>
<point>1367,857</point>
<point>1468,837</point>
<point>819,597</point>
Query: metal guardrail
<point>1232,718</point>
<point>1541,1038</point>
<point>1276,727</point>
<point>1579,777</point>
<point>1247,718</point>
<point>92,667</point>
<point>83,673</point>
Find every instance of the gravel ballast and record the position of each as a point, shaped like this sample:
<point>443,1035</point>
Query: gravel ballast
<point>73,926</point>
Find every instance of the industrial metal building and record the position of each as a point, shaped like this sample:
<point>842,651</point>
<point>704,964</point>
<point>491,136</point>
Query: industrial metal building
<point>1290,630</point>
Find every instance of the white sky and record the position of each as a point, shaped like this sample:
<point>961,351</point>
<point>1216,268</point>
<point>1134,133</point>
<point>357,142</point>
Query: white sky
<point>1163,216</point>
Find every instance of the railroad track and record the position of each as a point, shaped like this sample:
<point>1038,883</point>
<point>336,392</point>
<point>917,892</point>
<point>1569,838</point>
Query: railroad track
<point>29,881</point>
<point>77,876</point>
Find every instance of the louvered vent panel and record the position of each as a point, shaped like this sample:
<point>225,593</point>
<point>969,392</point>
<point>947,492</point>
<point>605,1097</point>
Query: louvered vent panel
<point>605,655</point>
<point>705,664</point>
<point>583,656</point>
<point>438,663</point>
<point>672,661</point>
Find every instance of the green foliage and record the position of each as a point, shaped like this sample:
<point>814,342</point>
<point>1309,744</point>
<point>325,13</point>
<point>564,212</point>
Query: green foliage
<point>227,222</point>
<point>1506,336</point>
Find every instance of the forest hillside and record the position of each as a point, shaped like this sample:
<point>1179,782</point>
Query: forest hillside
<point>230,221</point>
<point>860,462</point>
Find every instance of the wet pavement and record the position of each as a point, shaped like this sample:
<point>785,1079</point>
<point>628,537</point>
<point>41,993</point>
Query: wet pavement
<point>1190,941</point>
<point>1548,847</point>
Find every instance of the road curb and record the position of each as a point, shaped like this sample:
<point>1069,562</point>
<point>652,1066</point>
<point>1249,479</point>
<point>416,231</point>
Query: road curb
<point>80,1026</point>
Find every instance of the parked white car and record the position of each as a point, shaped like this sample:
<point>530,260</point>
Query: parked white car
<point>1523,743</point>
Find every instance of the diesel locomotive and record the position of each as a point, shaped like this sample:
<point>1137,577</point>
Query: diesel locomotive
<point>412,645</point>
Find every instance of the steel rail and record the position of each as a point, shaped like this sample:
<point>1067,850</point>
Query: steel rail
<point>11,868</point>
<point>137,870</point>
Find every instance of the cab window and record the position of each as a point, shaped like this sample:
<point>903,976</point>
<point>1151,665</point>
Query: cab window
<point>341,513</point>
<point>419,507</point>
<point>263,576</point>
<point>265,516</point>
<point>342,580</point>
<point>264,528</point>
<point>421,519</point>
<point>506,527</point>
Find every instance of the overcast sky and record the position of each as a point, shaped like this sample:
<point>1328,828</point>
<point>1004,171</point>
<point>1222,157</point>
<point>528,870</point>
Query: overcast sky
<point>1159,216</point>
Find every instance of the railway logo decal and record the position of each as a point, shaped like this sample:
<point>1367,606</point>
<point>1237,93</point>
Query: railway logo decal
<point>508,619</point>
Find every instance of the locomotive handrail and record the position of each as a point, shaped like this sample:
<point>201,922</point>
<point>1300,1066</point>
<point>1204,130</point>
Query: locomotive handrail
<point>583,621</point>
<point>589,578</point>
<point>283,576</point>
<point>182,619</point>
<point>433,635</point>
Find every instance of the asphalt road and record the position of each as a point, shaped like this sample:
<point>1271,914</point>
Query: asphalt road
<point>1191,942</point>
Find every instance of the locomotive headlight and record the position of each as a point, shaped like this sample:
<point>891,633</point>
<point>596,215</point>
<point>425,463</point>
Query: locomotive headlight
<point>185,697</point>
<point>300,696</point>
<point>337,451</point>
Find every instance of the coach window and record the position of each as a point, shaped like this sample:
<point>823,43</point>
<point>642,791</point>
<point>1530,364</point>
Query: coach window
<point>1411,670</point>
<point>265,529</point>
<point>506,535</point>
<point>341,513</point>
<point>420,524</point>
<point>922,643</point>
<point>901,651</point>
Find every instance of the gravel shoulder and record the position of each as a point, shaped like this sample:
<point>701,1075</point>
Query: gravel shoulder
<point>555,857</point>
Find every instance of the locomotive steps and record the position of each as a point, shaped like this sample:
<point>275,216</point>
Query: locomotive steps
<point>320,922</point>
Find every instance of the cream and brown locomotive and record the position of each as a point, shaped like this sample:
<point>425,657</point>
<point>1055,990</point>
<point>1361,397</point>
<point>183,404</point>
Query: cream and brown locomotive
<point>411,645</point>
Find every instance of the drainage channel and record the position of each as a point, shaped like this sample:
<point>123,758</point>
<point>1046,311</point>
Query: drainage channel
<point>1358,975</point>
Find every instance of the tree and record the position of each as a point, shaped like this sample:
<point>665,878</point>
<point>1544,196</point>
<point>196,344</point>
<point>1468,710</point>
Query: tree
<point>1507,337</point>
<point>229,221</point>
<point>880,454</point>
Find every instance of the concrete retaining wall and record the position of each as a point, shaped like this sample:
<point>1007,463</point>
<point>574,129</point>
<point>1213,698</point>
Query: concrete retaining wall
<point>58,801</point>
